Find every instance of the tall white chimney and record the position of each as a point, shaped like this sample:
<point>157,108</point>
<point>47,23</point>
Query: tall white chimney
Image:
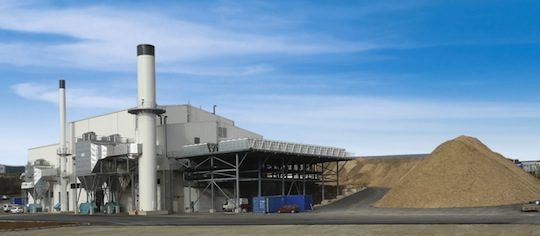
<point>146,112</point>
<point>62,151</point>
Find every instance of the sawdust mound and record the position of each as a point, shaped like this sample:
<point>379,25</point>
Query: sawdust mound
<point>376,172</point>
<point>462,173</point>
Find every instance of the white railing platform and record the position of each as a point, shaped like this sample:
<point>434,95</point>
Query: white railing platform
<point>262,145</point>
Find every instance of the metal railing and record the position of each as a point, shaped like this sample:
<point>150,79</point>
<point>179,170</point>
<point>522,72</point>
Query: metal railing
<point>243,144</point>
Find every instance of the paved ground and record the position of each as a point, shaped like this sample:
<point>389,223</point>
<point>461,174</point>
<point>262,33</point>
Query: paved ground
<point>10,225</point>
<point>354,209</point>
<point>275,219</point>
<point>379,230</point>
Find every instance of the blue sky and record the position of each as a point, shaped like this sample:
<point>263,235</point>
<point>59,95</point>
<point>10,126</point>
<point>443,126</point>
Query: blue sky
<point>375,77</point>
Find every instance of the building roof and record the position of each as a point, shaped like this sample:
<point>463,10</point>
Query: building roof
<point>261,145</point>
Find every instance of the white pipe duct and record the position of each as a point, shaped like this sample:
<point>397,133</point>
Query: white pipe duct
<point>62,151</point>
<point>146,112</point>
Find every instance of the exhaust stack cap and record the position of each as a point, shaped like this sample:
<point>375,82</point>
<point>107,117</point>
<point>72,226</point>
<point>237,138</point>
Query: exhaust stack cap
<point>62,84</point>
<point>145,49</point>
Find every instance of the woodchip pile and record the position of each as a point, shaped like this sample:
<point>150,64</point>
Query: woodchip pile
<point>462,172</point>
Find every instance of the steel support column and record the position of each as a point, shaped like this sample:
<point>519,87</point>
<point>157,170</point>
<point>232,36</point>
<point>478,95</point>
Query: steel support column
<point>337,179</point>
<point>322,182</point>
<point>191,207</point>
<point>259,184</point>
<point>282,176</point>
<point>304,179</point>
<point>212,183</point>
<point>237,184</point>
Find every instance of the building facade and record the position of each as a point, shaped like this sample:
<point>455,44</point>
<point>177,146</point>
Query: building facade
<point>180,125</point>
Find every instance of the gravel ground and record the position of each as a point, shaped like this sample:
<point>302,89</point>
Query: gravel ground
<point>380,230</point>
<point>18,225</point>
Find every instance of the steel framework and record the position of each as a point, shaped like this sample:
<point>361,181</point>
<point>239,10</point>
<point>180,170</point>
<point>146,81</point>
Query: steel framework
<point>293,172</point>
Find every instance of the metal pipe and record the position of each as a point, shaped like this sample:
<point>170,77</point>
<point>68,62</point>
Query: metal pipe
<point>133,197</point>
<point>74,169</point>
<point>169,177</point>
<point>62,151</point>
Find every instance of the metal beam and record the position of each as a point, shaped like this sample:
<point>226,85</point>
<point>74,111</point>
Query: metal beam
<point>322,182</point>
<point>238,183</point>
<point>225,162</point>
<point>259,181</point>
<point>221,190</point>
<point>337,179</point>
<point>189,189</point>
<point>204,161</point>
<point>304,179</point>
<point>282,176</point>
<point>212,183</point>
<point>201,193</point>
<point>291,187</point>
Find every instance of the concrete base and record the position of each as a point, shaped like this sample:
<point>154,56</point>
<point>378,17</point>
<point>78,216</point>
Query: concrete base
<point>148,213</point>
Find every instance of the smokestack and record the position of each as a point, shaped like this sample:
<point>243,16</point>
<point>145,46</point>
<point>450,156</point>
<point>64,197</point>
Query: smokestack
<point>146,112</point>
<point>62,151</point>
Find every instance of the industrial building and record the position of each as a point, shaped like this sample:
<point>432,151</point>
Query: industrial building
<point>168,159</point>
<point>531,167</point>
<point>6,169</point>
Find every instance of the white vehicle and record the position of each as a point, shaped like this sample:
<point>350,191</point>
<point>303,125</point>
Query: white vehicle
<point>17,209</point>
<point>531,206</point>
<point>7,207</point>
<point>230,204</point>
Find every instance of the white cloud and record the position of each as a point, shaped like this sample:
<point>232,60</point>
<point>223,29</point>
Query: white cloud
<point>76,97</point>
<point>381,126</point>
<point>107,38</point>
<point>233,71</point>
<point>296,109</point>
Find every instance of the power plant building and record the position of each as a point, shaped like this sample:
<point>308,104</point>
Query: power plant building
<point>169,159</point>
<point>185,125</point>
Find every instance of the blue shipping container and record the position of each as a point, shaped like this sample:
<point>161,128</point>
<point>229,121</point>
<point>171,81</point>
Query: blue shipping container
<point>308,200</point>
<point>17,200</point>
<point>273,203</point>
<point>304,203</point>
<point>259,205</point>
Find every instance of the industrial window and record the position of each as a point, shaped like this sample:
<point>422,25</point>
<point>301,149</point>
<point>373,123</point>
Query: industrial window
<point>197,140</point>
<point>222,132</point>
